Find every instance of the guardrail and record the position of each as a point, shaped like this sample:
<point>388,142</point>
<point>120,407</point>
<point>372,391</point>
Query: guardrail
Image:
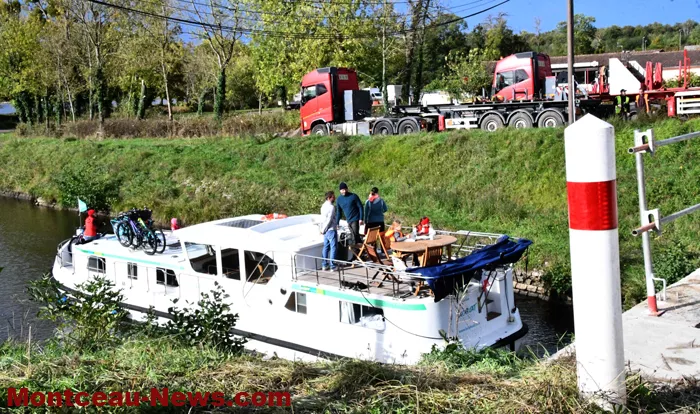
<point>354,275</point>
<point>652,220</point>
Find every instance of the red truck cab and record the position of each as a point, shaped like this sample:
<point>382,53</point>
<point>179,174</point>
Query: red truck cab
<point>322,97</point>
<point>521,76</point>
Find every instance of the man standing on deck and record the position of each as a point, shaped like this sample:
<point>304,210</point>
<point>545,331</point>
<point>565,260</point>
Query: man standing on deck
<point>350,205</point>
<point>329,226</point>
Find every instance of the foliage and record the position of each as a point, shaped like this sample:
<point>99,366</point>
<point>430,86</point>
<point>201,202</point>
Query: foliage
<point>673,263</point>
<point>466,75</point>
<point>89,182</point>
<point>210,323</point>
<point>557,278</point>
<point>693,81</point>
<point>88,320</point>
<point>455,357</point>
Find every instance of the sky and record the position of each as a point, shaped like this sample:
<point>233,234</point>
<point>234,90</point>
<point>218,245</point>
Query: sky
<point>522,13</point>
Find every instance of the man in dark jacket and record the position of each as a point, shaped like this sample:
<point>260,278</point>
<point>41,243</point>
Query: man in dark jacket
<point>349,204</point>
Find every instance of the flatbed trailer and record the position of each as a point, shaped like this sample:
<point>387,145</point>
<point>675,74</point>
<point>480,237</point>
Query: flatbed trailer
<point>491,116</point>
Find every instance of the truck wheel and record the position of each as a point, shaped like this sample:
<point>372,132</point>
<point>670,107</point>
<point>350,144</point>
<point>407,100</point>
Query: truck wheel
<point>319,129</point>
<point>550,119</point>
<point>383,128</point>
<point>491,123</point>
<point>520,120</point>
<point>408,127</point>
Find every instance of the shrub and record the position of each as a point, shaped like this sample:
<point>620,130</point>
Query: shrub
<point>90,320</point>
<point>557,278</point>
<point>455,356</point>
<point>210,323</point>
<point>92,184</point>
<point>673,264</point>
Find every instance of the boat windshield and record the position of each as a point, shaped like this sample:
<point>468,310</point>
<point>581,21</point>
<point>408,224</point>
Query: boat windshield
<point>202,257</point>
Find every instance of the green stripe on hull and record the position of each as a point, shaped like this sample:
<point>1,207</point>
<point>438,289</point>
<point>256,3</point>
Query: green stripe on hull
<point>131,259</point>
<point>360,300</point>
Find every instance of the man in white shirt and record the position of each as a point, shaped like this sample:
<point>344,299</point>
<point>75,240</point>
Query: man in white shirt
<point>329,229</point>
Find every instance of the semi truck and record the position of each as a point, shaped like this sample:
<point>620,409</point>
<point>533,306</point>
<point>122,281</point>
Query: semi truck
<point>524,95</point>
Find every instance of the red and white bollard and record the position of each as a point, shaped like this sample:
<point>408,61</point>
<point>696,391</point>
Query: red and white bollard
<point>595,259</point>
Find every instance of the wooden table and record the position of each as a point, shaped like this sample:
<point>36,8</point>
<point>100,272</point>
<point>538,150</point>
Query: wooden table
<point>418,247</point>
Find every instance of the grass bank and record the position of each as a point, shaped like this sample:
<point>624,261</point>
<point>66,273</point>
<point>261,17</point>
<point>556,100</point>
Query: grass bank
<point>142,363</point>
<point>511,181</point>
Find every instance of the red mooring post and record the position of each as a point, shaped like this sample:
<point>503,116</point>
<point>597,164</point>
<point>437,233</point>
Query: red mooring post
<point>595,259</point>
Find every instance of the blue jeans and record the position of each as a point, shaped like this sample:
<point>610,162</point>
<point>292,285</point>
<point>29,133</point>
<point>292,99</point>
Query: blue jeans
<point>330,242</point>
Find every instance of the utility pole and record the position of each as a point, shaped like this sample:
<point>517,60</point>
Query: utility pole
<point>570,61</point>
<point>644,43</point>
<point>680,39</point>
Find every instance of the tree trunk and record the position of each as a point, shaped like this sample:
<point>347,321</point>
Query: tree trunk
<point>47,110</point>
<point>167,92</point>
<point>220,94</point>
<point>421,46</point>
<point>201,102</point>
<point>384,86</point>
<point>260,96</point>
<point>142,101</point>
<point>100,96</point>
<point>410,50</point>
<point>57,104</point>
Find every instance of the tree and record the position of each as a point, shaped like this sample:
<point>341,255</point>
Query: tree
<point>222,25</point>
<point>466,74</point>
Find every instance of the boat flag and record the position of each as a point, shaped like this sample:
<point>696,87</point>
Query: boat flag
<point>82,207</point>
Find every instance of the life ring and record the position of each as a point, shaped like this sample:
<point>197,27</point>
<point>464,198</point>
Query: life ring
<point>273,216</point>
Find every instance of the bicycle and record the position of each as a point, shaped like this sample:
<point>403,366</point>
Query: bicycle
<point>135,229</point>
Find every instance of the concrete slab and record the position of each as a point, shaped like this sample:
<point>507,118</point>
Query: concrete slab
<point>667,347</point>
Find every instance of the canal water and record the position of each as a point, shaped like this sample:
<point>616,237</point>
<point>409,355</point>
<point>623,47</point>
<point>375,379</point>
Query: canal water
<point>29,236</point>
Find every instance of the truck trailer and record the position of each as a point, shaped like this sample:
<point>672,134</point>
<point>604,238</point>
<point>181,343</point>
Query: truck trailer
<point>524,95</point>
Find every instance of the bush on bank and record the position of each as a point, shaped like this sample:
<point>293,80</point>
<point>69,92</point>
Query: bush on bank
<point>511,181</point>
<point>269,122</point>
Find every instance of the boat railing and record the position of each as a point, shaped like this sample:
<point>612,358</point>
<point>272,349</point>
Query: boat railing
<point>356,275</point>
<point>59,254</point>
<point>469,241</point>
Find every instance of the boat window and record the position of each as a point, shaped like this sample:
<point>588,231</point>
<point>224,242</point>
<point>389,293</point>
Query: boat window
<point>166,277</point>
<point>297,302</point>
<point>231,264</point>
<point>97,264</point>
<point>259,267</point>
<point>132,270</point>
<point>356,314</point>
<point>202,257</point>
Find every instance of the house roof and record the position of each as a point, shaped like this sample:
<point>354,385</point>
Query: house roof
<point>668,59</point>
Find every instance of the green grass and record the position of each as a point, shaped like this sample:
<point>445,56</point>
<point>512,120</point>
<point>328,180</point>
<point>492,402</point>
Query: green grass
<point>511,181</point>
<point>349,386</point>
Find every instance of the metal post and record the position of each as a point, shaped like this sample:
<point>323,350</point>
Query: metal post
<point>646,245</point>
<point>570,62</point>
<point>595,259</point>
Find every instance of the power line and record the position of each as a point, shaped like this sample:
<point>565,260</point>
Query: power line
<point>244,30</point>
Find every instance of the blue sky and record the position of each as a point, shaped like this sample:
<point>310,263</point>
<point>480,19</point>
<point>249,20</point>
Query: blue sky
<point>522,13</point>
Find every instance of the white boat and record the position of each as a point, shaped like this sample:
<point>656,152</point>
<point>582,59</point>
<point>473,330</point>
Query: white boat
<point>289,306</point>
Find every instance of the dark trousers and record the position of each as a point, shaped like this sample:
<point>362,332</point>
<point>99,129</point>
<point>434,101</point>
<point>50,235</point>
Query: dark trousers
<point>373,225</point>
<point>355,230</point>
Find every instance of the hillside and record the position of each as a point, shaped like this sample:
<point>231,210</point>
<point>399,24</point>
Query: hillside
<point>511,182</point>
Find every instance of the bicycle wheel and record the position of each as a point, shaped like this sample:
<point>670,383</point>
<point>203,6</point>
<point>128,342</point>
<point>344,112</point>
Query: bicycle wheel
<point>160,238</point>
<point>124,234</point>
<point>150,244</point>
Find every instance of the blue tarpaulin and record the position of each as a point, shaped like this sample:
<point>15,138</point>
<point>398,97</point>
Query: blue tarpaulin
<point>444,278</point>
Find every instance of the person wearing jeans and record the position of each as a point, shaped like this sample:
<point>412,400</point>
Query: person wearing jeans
<point>329,229</point>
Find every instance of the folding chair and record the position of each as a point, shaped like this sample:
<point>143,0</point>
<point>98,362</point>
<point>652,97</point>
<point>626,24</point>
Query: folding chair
<point>432,256</point>
<point>368,244</point>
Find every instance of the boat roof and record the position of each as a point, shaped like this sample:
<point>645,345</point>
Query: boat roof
<point>291,233</point>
